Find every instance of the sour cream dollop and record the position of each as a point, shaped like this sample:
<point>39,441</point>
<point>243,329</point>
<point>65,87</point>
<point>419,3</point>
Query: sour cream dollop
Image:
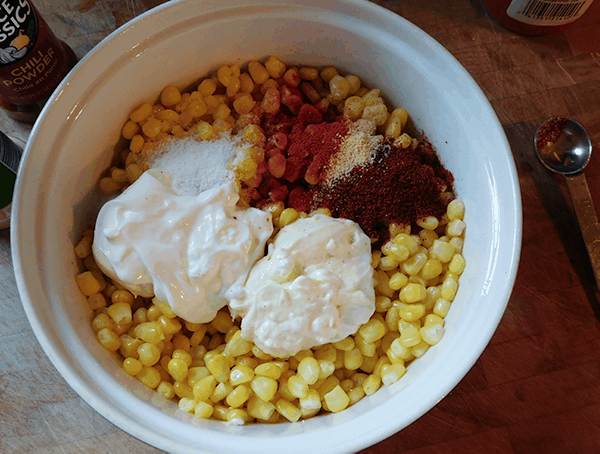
<point>192,252</point>
<point>315,286</point>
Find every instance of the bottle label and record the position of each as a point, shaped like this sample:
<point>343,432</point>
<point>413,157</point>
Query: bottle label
<point>547,12</point>
<point>18,31</point>
<point>32,62</point>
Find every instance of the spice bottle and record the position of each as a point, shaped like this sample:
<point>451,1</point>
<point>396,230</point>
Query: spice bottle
<point>536,17</point>
<point>10,155</point>
<point>32,60</point>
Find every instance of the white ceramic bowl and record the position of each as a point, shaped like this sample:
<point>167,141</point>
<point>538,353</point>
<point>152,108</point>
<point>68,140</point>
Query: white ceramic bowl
<point>72,144</point>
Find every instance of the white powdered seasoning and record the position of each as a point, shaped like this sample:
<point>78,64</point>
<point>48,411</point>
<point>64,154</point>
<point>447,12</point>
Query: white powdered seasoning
<point>196,165</point>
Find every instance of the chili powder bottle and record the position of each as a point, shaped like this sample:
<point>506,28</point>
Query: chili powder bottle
<point>536,17</point>
<point>33,61</point>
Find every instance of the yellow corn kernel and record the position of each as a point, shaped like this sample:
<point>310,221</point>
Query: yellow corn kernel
<point>371,384</point>
<point>237,345</point>
<point>132,366</point>
<point>122,296</point>
<point>219,367</point>
<point>288,410</point>
<point>109,186</point>
<point>222,390</point>
<point>152,127</point>
<point>409,337</point>
<point>382,303</point>
<point>133,172</point>
<point>373,330</point>
<point>392,317</point>
<point>412,293</point>
<point>149,354</point>
<point>310,404</point>
<point>412,312</point>
<point>346,344</point>
<point>455,209</point>
<point>326,352</point>
<point>260,409</point>
<point>376,113</point>
<point>353,359</point>
<point>326,368</point>
<point>427,237</point>
<point>393,374</point>
<point>136,144</point>
<point>431,269</point>
<point>222,322</point>
<point>402,114</point>
<point>246,83</point>
<point>442,250</point>
<point>166,390</point>
<point>399,350</point>
<point>428,223</point>
<point>264,387</point>
<point>204,388</point>
<point>101,321</point>
<point>309,370</point>
<point>449,289</point>
<point>328,73</point>
<point>337,399</point>
<point>455,228</point>
<point>149,377</point>
<point>258,72</point>
<point>170,96</point>
<point>457,264</point>
<point>420,349</point>
<point>375,259</point>
<point>96,301</point>
<point>393,127</point>
<point>120,312</point>
<point>275,67</point>
<point>388,263</point>
<point>130,129</point>
<point>240,375</point>
<point>366,348</point>
<point>457,243</point>
<point>87,283</point>
<point>205,130</point>
<point>330,382</point>
<point>169,325</point>
<point>297,386</point>
<point>308,73</point>
<point>406,240</point>
<point>238,396</point>
<point>287,216</point>
<point>432,333</point>
<point>140,316</point>
<point>151,332</point>
<point>397,281</point>
<point>224,75</point>
<point>207,87</point>
<point>413,265</point>
<point>84,247</point>
<point>340,88</point>
<point>244,104</point>
<point>203,410</point>
<point>382,362</point>
<point>141,113</point>
<point>109,339</point>
<point>178,369</point>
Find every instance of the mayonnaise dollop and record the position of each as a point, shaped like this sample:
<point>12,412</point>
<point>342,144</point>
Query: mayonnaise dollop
<point>193,252</point>
<point>315,286</point>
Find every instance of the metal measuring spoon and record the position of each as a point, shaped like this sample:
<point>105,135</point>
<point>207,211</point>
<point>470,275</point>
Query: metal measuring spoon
<point>564,147</point>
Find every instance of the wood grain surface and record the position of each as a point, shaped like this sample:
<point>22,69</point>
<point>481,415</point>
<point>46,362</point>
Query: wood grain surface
<point>536,388</point>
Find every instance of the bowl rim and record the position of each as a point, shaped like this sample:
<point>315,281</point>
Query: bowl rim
<point>145,433</point>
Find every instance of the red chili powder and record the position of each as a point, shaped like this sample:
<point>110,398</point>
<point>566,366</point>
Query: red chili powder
<point>400,186</point>
<point>550,131</point>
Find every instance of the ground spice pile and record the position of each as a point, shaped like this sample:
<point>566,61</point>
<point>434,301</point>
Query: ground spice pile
<point>399,186</point>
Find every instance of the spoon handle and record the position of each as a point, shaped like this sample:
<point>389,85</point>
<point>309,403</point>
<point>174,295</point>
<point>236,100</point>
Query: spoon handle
<point>586,216</point>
